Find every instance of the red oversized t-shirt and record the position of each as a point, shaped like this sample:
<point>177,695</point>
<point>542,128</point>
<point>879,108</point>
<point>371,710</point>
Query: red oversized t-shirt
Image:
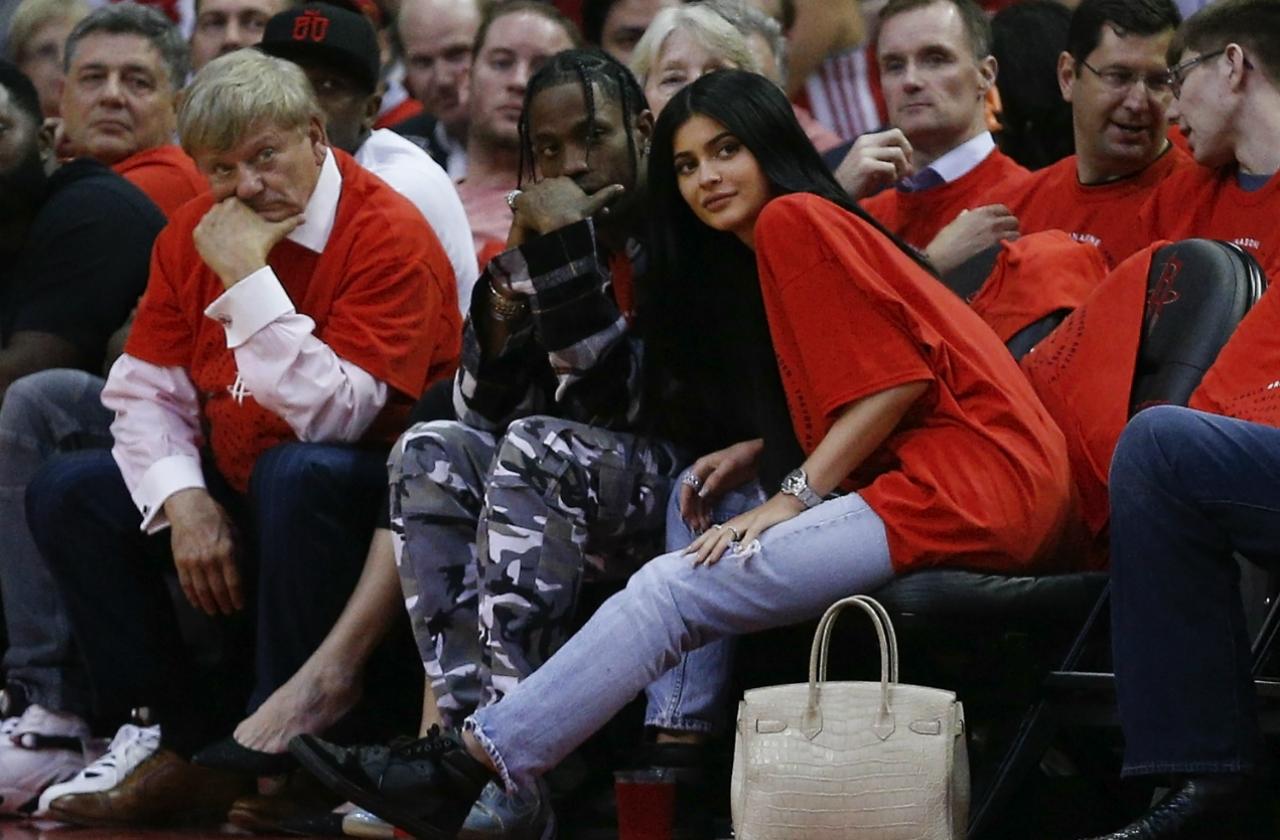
<point>917,217</point>
<point>382,295</point>
<point>1054,199</point>
<point>1208,203</point>
<point>166,174</point>
<point>976,474</point>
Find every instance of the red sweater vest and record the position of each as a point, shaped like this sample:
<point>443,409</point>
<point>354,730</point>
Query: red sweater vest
<point>382,296</point>
<point>917,217</point>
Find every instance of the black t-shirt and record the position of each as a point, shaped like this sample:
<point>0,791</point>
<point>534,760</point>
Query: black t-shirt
<point>85,260</point>
<point>421,129</point>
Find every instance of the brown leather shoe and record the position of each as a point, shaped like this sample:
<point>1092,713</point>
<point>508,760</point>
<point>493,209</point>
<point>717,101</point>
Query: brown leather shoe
<point>299,796</point>
<point>162,789</point>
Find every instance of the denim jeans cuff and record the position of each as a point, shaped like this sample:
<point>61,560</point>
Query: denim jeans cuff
<point>679,723</point>
<point>473,726</point>
<point>1176,768</point>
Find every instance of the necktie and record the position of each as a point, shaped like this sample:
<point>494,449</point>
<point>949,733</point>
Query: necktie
<point>925,179</point>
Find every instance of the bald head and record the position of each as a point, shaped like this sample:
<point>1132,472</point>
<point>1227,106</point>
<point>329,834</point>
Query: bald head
<point>438,36</point>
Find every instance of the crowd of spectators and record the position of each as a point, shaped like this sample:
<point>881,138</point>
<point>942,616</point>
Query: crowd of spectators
<point>335,328</point>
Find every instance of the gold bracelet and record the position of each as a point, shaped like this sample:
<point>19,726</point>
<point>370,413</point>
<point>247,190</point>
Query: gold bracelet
<point>504,308</point>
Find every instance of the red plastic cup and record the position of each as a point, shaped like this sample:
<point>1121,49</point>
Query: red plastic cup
<point>646,804</point>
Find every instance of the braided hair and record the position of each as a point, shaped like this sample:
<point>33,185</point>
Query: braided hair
<point>590,68</point>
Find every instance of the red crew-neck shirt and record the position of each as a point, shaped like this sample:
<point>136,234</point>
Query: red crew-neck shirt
<point>166,174</point>
<point>1208,203</point>
<point>1054,199</point>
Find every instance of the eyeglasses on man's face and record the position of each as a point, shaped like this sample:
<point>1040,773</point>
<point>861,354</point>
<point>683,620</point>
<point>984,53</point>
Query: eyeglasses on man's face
<point>1123,78</point>
<point>1178,73</point>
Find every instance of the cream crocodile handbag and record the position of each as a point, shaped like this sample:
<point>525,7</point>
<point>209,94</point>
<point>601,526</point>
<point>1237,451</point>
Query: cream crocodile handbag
<point>864,760</point>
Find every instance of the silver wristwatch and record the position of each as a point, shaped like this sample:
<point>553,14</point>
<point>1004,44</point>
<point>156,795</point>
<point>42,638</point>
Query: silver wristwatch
<point>797,484</point>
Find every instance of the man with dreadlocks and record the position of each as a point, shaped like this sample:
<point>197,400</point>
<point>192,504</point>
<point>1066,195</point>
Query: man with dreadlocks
<point>549,475</point>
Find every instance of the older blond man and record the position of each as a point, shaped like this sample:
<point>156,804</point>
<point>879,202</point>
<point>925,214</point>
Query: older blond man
<point>291,317</point>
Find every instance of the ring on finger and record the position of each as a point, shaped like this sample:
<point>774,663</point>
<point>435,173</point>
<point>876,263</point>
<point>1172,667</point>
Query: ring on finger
<point>692,480</point>
<point>736,536</point>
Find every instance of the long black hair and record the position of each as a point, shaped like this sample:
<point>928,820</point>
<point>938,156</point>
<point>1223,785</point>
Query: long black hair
<point>757,113</point>
<point>590,68</point>
<point>702,307</point>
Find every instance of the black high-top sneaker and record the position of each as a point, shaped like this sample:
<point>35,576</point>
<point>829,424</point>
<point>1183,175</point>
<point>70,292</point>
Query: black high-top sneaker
<point>426,786</point>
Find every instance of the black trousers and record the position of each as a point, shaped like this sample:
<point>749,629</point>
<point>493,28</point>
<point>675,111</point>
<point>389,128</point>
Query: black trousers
<point>304,529</point>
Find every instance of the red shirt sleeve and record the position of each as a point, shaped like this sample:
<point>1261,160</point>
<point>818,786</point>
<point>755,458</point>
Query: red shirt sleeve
<point>822,284</point>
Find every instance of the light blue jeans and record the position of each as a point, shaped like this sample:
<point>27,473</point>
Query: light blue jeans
<point>792,573</point>
<point>691,696</point>
<point>46,412</point>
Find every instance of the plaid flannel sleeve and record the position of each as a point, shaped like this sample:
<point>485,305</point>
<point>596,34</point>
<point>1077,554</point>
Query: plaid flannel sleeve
<point>574,356</point>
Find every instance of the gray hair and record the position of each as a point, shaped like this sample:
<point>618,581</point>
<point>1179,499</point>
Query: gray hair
<point>750,20</point>
<point>237,92</point>
<point>131,19</point>
<point>716,34</point>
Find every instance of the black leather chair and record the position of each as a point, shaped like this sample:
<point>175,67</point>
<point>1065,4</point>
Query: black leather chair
<point>1198,291</point>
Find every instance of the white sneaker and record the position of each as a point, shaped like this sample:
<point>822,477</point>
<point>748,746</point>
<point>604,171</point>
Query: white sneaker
<point>360,823</point>
<point>131,746</point>
<point>38,749</point>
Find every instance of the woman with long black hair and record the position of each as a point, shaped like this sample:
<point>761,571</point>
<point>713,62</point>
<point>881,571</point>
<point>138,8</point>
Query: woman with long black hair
<point>914,441</point>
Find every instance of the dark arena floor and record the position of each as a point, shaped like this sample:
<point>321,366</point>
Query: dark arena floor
<point>35,830</point>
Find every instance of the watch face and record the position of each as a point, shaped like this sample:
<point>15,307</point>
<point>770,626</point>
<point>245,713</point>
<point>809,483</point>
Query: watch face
<point>793,483</point>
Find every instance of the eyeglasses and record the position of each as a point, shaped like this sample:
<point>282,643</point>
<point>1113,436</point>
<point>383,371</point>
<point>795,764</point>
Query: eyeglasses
<point>1178,73</point>
<point>1122,78</point>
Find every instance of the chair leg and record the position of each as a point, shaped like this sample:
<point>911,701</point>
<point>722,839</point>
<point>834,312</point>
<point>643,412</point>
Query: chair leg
<point>1035,733</point>
<point>1266,637</point>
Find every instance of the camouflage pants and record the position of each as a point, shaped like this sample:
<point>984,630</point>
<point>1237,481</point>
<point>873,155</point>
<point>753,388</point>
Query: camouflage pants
<point>493,537</point>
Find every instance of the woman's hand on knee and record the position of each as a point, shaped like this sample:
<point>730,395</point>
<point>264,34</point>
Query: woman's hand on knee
<point>713,475</point>
<point>708,548</point>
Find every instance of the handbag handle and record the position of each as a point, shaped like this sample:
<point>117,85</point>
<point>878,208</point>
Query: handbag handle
<point>881,616</point>
<point>884,724</point>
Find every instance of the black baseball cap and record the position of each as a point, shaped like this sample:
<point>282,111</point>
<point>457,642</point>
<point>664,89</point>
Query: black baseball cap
<point>320,32</point>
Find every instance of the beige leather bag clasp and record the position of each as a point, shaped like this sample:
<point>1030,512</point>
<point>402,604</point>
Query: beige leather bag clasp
<point>856,760</point>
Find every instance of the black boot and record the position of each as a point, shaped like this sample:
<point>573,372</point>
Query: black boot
<point>426,787</point>
<point>1211,807</point>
